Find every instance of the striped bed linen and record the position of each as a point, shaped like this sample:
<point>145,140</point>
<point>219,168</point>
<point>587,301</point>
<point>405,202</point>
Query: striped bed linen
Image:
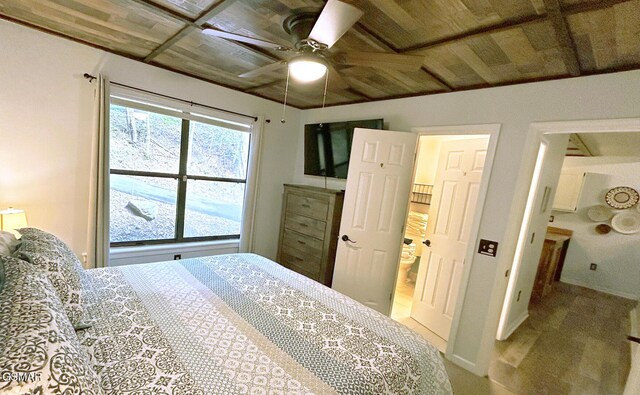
<point>242,324</point>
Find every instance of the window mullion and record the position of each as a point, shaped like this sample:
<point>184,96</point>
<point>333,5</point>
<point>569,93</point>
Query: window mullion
<point>182,180</point>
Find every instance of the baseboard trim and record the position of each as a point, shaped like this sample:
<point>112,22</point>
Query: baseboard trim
<point>466,364</point>
<point>512,328</point>
<point>635,321</point>
<point>634,316</point>
<point>609,291</point>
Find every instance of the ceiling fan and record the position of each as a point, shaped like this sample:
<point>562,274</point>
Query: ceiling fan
<point>312,35</point>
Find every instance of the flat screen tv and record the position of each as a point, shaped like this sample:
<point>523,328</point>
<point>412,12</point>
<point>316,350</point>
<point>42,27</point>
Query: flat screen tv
<point>327,146</point>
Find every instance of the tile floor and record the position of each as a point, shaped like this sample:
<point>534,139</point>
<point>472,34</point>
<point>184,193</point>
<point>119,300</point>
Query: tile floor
<point>572,343</point>
<point>401,312</point>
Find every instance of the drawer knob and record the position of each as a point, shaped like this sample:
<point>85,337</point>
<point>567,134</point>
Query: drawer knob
<point>306,205</point>
<point>303,225</point>
<point>301,242</point>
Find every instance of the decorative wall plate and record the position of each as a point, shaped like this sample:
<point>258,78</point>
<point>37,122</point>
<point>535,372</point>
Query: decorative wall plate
<point>599,213</point>
<point>626,222</point>
<point>622,197</point>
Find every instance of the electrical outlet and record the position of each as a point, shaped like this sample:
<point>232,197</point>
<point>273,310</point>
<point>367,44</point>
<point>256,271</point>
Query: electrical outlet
<point>593,266</point>
<point>177,257</point>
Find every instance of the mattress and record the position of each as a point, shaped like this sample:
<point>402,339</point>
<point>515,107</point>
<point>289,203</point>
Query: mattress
<point>242,324</point>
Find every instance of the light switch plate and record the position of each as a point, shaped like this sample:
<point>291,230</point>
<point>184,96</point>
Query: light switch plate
<point>488,247</point>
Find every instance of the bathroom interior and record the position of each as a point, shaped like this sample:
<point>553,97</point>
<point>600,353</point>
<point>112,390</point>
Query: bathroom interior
<point>415,238</point>
<point>416,225</point>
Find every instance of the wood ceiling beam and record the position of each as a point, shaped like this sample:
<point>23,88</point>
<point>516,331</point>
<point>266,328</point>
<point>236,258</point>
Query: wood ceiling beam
<point>191,25</point>
<point>165,11</point>
<point>590,6</point>
<point>441,81</point>
<point>213,11</point>
<point>477,32</point>
<point>567,45</point>
<point>172,40</point>
<point>565,11</point>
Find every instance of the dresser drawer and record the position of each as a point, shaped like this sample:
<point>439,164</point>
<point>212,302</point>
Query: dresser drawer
<point>304,225</point>
<point>308,206</point>
<point>298,261</point>
<point>307,244</point>
<point>308,230</point>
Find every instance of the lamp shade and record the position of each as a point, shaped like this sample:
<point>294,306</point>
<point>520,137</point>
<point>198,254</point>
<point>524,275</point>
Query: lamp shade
<point>12,219</point>
<point>307,68</point>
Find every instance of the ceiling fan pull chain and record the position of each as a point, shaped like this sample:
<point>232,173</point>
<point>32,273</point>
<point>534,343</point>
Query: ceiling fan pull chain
<point>284,104</point>
<point>324,95</point>
<point>324,98</point>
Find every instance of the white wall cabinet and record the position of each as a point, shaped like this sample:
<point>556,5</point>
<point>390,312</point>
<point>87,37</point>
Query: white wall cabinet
<point>569,190</point>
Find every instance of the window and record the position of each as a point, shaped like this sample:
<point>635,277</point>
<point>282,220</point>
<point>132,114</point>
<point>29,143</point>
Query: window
<point>175,175</point>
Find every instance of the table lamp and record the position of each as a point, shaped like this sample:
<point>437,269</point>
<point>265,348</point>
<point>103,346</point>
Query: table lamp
<point>12,219</point>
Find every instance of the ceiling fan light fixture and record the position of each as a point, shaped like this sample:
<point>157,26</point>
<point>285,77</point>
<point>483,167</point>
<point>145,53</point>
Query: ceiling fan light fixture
<point>307,68</point>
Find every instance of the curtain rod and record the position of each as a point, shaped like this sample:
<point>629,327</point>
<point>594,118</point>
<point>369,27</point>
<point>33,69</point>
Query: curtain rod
<point>91,78</point>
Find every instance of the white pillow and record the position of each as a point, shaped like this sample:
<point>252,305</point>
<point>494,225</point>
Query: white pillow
<point>8,243</point>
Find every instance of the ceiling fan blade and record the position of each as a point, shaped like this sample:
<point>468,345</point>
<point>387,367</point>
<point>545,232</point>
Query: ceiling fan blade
<point>242,39</point>
<point>334,21</point>
<point>380,60</point>
<point>264,69</point>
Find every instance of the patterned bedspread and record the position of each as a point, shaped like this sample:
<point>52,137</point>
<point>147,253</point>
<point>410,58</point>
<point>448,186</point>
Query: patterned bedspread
<point>241,324</point>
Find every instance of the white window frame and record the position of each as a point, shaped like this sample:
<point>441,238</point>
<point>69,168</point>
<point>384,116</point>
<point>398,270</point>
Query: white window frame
<point>159,104</point>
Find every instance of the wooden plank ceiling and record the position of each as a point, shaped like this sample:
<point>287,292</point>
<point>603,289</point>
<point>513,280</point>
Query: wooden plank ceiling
<point>465,44</point>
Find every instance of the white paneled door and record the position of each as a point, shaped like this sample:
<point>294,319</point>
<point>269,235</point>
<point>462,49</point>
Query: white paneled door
<point>453,204</point>
<point>375,207</point>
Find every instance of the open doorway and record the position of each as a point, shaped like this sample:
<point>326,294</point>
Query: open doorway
<point>576,278</point>
<point>438,232</point>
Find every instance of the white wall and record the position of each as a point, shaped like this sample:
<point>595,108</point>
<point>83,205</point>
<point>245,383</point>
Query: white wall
<point>46,124</point>
<point>617,255</point>
<point>515,107</point>
<point>428,152</point>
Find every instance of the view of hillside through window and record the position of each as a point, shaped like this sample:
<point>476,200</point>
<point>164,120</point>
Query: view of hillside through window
<point>147,171</point>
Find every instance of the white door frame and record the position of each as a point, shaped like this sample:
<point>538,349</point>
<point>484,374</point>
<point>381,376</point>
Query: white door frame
<point>493,131</point>
<point>516,216</point>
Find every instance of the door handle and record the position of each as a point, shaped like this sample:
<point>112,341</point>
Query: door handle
<point>346,238</point>
<point>427,243</point>
<point>633,339</point>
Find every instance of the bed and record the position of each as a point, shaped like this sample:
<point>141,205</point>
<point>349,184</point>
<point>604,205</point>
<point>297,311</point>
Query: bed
<point>242,324</point>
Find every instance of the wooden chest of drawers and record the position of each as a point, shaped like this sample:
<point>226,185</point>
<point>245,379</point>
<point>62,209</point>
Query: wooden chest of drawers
<point>551,261</point>
<point>309,231</point>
